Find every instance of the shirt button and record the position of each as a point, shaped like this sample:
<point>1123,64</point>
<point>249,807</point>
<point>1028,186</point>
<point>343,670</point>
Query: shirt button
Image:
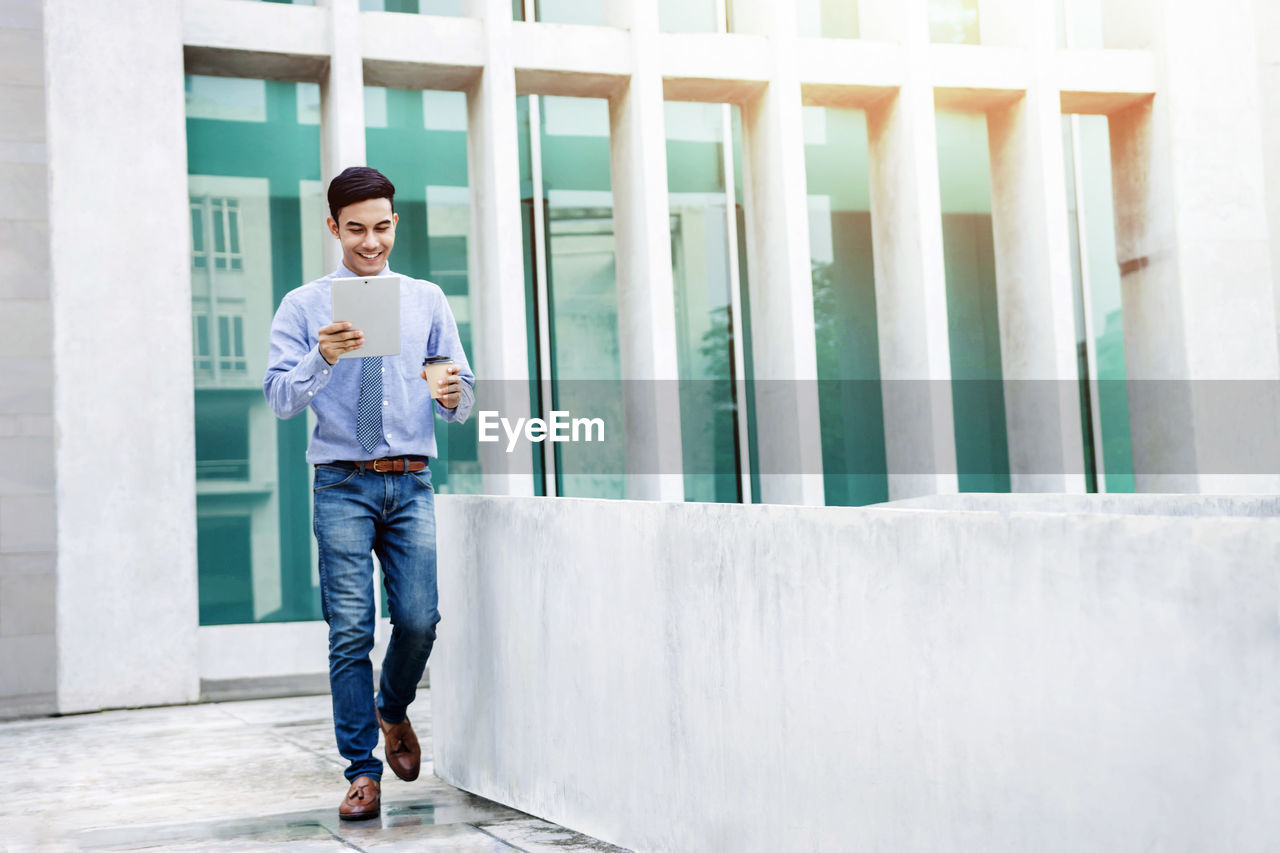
<point>311,393</point>
<point>385,403</point>
<point>388,436</point>
<point>325,371</point>
<point>384,370</point>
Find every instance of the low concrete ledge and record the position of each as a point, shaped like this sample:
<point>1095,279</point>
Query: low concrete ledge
<point>710,677</point>
<point>1250,506</point>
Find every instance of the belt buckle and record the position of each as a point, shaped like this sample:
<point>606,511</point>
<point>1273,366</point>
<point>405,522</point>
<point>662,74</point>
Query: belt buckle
<point>378,463</point>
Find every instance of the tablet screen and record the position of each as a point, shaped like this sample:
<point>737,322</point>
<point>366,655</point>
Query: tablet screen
<point>371,305</point>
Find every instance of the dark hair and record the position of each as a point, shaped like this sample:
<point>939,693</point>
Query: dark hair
<point>359,183</point>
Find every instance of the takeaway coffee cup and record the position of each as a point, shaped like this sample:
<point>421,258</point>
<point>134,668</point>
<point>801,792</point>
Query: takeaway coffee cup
<point>435,368</point>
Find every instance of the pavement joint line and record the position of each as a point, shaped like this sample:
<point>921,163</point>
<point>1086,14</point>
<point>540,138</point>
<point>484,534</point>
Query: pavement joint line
<point>496,838</point>
<point>344,841</point>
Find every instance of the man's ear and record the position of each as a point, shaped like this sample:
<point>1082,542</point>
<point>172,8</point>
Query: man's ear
<point>395,219</point>
<point>333,225</point>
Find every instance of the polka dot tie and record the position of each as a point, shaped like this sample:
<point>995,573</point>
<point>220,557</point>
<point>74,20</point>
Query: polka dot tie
<point>369,409</point>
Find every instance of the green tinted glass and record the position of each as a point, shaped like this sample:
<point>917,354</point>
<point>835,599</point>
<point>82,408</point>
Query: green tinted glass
<point>419,140</point>
<point>451,8</point>
<point>582,288</point>
<point>844,306</point>
<point>1105,398</point>
<point>257,225</point>
<point>572,11</point>
<point>964,177</point>
<point>702,248</point>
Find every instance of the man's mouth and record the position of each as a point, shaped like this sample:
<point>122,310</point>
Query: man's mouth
<point>370,257</point>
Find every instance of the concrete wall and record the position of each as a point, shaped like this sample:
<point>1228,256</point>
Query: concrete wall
<point>712,677</point>
<point>27,548</point>
<point>123,401</point>
<point>1267,15</point>
<point>1194,242</point>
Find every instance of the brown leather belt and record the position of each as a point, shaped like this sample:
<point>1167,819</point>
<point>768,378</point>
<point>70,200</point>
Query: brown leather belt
<point>390,464</point>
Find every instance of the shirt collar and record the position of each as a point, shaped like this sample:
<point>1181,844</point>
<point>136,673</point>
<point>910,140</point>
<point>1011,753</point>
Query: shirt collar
<point>343,272</point>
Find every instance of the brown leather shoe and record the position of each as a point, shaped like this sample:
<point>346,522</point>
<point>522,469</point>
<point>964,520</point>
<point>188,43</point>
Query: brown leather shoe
<point>363,799</point>
<point>402,749</point>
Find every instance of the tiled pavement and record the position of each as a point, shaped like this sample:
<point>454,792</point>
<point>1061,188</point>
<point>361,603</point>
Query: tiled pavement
<point>242,776</point>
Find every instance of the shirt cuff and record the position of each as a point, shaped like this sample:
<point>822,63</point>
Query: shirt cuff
<point>459,413</point>
<point>314,372</point>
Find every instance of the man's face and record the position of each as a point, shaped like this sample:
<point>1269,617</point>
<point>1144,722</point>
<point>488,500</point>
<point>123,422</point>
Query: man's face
<point>367,230</point>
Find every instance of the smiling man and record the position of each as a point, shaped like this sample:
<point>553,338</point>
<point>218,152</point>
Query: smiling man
<point>372,446</point>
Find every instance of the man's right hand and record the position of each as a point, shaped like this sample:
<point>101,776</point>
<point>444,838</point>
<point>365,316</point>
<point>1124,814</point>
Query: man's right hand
<point>337,338</point>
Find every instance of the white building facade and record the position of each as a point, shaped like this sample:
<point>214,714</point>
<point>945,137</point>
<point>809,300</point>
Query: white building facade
<point>808,253</point>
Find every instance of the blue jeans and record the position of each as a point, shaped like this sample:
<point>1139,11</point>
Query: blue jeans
<point>393,515</point>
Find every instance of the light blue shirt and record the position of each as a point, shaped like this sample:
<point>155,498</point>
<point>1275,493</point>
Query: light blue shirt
<point>298,376</point>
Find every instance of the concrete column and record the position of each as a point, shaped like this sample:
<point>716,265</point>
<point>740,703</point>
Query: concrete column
<point>123,398</point>
<point>495,251</point>
<point>28,645</point>
<point>1033,261</point>
<point>1195,261</point>
<point>780,283</point>
<point>911,286</point>
<point>646,291</point>
<point>342,105</point>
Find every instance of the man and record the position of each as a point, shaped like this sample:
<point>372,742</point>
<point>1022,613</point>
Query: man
<point>371,446</point>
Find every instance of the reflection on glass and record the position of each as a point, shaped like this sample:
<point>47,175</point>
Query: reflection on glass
<point>687,16</point>
<point>581,285</point>
<point>256,220</point>
<point>964,177</point>
<point>1097,288</point>
<point>953,21</point>
<point>419,140</point>
<point>827,18</point>
<point>700,265</point>
<point>844,307</point>
<point>572,11</point>
<point>451,8</point>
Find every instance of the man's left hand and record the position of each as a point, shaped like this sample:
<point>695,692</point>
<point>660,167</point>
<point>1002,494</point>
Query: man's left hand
<point>449,391</point>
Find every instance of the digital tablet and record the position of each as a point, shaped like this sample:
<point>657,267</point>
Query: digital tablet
<point>371,305</point>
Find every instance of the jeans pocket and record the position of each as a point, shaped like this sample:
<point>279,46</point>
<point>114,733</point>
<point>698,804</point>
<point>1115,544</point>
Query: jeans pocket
<point>328,477</point>
<point>423,477</point>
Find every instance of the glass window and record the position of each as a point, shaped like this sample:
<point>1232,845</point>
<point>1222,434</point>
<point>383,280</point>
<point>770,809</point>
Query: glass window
<point>572,11</point>
<point>844,307</point>
<point>418,139</point>
<point>448,8</point>
<point>688,16</point>
<point>582,292</point>
<point>256,225</point>
<point>704,226</point>
<point>954,21</point>
<point>1100,315</point>
<point>827,18</point>
<point>227,98</point>
<point>964,177</point>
